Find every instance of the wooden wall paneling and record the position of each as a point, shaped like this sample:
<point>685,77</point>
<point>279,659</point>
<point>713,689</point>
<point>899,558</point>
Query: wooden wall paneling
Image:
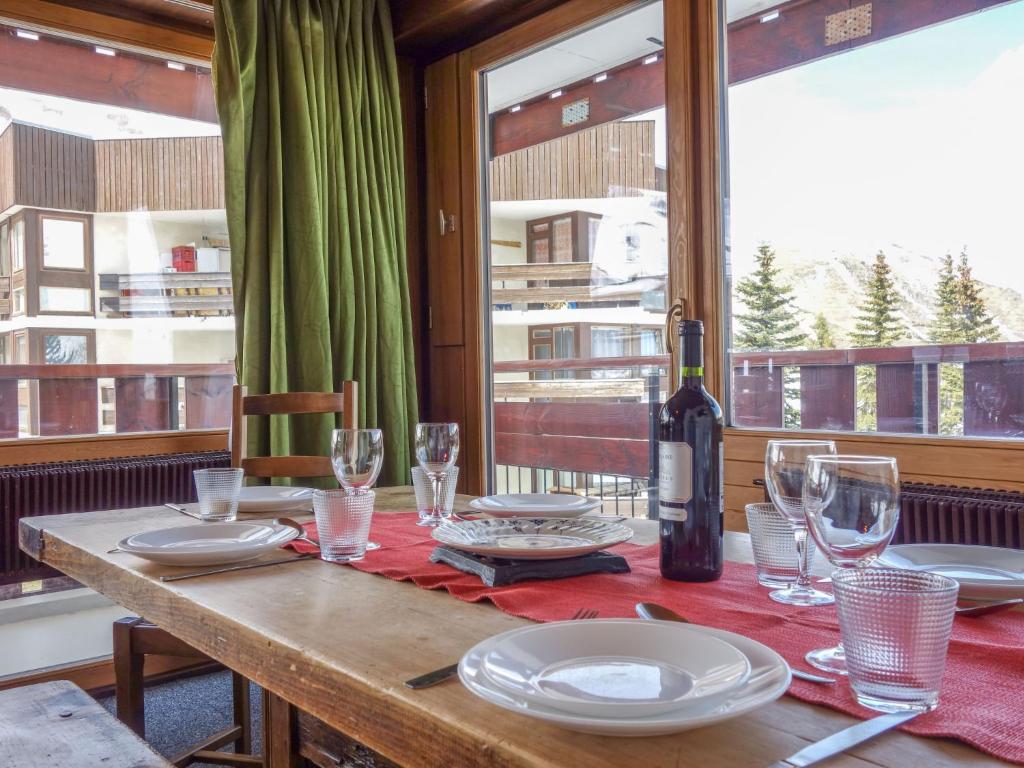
<point>693,86</point>
<point>448,377</point>
<point>7,167</point>
<point>66,447</point>
<point>49,167</point>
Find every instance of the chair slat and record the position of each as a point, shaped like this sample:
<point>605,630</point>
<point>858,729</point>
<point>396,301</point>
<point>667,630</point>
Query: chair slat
<point>293,402</point>
<point>287,466</point>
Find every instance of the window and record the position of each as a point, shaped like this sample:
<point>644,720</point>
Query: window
<point>874,197</point>
<point>52,299</point>
<point>120,255</point>
<point>63,243</point>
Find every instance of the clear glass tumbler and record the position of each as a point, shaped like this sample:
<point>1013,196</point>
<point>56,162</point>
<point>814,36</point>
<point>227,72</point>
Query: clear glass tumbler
<point>343,523</point>
<point>775,554</point>
<point>218,491</point>
<point>895,627</point>
<point>425,495</point>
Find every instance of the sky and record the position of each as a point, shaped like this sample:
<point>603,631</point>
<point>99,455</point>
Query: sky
<point>915,142</point>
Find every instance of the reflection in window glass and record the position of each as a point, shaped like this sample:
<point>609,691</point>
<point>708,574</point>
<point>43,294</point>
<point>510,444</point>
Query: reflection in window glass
<point>63,244</point>
<point>18,301</point>
<point>876,281</point>
<point>65,349</point>
<point>52,299</point>
<point>18,245</point>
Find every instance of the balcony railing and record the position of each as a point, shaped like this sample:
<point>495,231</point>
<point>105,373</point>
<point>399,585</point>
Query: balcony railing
<point>547,283</point>
<point>985,394</point>
<point>167,294</point>
<point>48,400</point>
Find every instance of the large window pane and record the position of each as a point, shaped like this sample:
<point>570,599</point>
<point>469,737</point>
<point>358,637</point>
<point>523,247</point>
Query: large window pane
<point>874,201</point>
<point>116,250</point>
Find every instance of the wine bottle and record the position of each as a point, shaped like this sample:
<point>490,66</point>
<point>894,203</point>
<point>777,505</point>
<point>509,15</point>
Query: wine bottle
<point>690,497</point>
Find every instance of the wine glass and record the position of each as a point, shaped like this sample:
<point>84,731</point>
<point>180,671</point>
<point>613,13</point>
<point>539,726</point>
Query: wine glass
<point>852,505</point>
<point>437,447</point>
<point>784,464</point>
<point>357,456</point>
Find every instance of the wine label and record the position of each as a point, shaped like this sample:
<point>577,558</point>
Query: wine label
<point>675,478</point>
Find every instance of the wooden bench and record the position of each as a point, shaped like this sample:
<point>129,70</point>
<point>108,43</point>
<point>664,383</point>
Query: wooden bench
<point>58,725</point>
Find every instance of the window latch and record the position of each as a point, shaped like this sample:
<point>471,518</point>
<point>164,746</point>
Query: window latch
<point>447,221</point>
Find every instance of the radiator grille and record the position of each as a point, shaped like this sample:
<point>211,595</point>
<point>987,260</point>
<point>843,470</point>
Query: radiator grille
<point>951,515</point>
<point>89,486</point>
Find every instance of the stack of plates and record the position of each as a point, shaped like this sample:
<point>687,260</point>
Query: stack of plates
<point>529,538</point>
<point>624,677</point>
<point>984,573</point>
<point>534,505</point>
<point>275,498</point>
<point>208,544</point>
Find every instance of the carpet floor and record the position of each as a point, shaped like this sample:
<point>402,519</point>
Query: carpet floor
<point>183,712</point>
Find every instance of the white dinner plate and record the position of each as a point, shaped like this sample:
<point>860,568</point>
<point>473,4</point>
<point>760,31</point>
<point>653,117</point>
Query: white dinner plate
<point>208,543</point>
<point>535,505</point>
<point>769,678</point>
<point>614,668</point>
<point>531,538</point>
<point>275,498</point>
<point>984,573</point>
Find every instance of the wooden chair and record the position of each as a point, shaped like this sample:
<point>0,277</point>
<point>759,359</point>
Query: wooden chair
<point>59,725</point>
<point>135,638</point>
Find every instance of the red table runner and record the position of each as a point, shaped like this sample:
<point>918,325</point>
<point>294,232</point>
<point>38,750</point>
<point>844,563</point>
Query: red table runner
<point>982,691</point>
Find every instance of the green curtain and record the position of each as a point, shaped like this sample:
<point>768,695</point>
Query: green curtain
<point>307,93</point>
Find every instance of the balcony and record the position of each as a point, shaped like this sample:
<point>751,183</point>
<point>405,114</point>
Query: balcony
<point>547,284</point>
<point>167,294</point>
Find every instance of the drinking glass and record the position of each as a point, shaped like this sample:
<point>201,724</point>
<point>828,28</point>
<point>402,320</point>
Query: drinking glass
<point>437,447</point>
<point>357,456</point>
<point>343,523</point>
<point>895,626</point>
<point>425,494</point>
<point>785,462</point>
<point>218,491</point>
<point>852,505</point>
<point>771,539</point>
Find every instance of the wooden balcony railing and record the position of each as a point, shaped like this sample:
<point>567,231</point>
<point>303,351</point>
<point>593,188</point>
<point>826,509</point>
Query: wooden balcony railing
<point>906,392</point>
<point>49,400</point>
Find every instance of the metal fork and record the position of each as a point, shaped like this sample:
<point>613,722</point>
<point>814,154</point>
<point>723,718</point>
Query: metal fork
<point>446,673</point>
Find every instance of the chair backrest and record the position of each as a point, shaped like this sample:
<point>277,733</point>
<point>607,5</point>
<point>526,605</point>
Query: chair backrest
<point>288,403</point>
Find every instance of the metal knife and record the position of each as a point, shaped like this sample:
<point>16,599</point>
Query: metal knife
<point>182,510</point>
<point>850,737</point>
<point>433,678</point>
<point>244,567</point>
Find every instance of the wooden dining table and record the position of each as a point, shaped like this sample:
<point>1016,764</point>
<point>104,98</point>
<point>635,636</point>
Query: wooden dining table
<point>331,647</point>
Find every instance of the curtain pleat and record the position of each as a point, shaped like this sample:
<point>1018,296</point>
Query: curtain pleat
<point>307,93</point>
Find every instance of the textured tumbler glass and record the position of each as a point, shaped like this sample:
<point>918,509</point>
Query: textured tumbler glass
<point>771,538</point>
<point>343,523</point>
<point>895,627</point>
<point>425,495</point>
<point>218,491</point>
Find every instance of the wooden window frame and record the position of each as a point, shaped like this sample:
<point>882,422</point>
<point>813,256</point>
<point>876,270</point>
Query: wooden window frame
<point>48,16</point>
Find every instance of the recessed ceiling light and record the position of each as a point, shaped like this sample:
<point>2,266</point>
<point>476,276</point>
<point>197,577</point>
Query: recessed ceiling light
<point>516,108</point>
<point>26,35</point>
<point>105,51</point>
<point>601,78</point>
<point>176,65</point>
<point>772,16</point>
<point>650,59</point>
<point>555,94</point>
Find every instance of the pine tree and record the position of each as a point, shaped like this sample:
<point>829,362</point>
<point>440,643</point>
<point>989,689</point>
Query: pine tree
<point>977,324</point>
<point>824,337</point>
<point>944,329</point>
<point>878,323</point>
<point>770,321</point>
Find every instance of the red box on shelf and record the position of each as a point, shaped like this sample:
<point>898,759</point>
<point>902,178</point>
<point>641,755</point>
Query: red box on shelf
<point>183,258</point>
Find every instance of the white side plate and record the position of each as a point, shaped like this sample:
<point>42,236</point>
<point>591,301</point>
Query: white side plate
<point>614,668</point>
<point>275,498</point>
<point>528,538</point>
<point>535,505</point>
<point>207,543</point>
<point>984,573</point>
<point>769,678</point>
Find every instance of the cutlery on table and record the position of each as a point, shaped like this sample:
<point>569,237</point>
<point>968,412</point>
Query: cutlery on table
<point>243,567</point>
<point>288,522</point>
<point>446,673</point>
<point>182,510</point>
<point>983,609</point>
<point>843,740</point>
<point>661,613</point>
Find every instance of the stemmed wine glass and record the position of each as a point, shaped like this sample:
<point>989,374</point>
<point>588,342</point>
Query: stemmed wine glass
<point>437,447</point>
<point>357,456</point>
<point>784,465</point>
<point>852,505</point>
